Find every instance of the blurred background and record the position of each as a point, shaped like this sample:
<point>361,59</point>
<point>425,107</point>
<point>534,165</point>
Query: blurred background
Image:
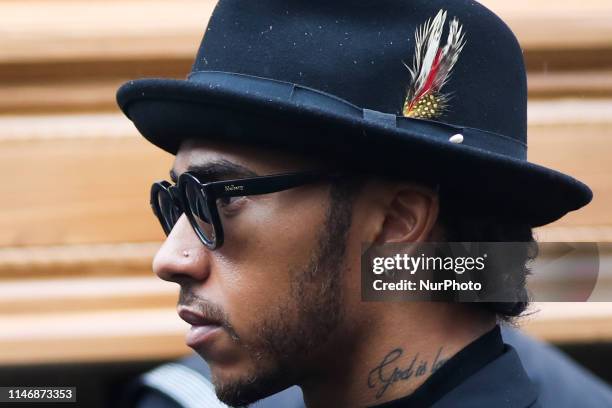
<point>79,304</point>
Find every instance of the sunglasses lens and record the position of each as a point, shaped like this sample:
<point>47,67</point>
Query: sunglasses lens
<point>169,212</point>
<point>200,212</point>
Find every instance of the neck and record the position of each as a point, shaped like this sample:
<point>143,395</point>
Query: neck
<point>389,357</point>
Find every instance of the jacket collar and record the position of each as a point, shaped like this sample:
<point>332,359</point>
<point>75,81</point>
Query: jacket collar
<point>503,383</point>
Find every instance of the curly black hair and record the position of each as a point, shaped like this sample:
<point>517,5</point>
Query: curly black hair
<point>459,226</point>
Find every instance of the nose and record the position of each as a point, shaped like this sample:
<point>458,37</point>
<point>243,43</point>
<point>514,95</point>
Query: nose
<point>182,257</point>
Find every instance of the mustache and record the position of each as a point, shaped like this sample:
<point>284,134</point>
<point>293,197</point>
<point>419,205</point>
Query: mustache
<point>207,308</point>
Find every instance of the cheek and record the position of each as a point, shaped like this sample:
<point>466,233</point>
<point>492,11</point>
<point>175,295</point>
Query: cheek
<point>265,244</point>
<point>352,275</point>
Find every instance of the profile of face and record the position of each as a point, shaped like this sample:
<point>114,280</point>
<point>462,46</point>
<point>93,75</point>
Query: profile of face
<point>273,292</point>
<point>283,291</point>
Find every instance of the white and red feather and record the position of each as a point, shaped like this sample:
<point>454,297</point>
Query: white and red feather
<point>432,66</point>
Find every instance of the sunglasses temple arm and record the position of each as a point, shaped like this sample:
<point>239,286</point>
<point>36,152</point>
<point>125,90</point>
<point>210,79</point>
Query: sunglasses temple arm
<point>264,185</point>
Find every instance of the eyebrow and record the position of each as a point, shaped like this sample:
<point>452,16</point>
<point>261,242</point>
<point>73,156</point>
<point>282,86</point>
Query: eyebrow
<point>216,170</point>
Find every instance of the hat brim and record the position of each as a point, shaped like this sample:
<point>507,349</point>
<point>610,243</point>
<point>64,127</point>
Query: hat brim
<point>168,112</point>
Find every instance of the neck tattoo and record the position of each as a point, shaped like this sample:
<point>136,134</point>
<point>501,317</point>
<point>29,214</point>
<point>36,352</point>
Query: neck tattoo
<point>387,373</point>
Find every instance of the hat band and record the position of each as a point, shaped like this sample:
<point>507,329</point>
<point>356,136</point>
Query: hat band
<point>311,99</point>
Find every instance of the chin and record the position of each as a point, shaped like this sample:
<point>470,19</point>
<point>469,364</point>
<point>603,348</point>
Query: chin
<point>239,387</point>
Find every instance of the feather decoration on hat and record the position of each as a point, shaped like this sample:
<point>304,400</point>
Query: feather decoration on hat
<point>432,67</point>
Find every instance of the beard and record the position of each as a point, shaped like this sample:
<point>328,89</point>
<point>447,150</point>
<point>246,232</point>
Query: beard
<point>301,325</point>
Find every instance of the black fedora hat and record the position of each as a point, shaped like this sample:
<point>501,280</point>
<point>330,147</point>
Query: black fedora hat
<point>400,87</point>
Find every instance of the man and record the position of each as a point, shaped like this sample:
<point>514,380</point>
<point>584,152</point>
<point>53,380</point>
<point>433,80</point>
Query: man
<point>307,129</point>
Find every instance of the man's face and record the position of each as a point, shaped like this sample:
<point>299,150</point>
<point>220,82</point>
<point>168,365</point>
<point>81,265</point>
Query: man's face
<point>276,289</point>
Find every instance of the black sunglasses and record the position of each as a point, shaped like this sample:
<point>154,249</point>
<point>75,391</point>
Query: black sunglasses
<point>199,200</point>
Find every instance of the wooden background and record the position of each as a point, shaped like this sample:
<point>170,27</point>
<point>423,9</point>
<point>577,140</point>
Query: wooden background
<point>76,233</point>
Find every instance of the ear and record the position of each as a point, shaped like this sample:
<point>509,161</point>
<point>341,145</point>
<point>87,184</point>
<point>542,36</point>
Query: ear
<point>410,216</point>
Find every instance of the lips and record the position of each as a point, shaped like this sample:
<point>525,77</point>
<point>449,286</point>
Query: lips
<point>202,328</point>
<point>196,319</point>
